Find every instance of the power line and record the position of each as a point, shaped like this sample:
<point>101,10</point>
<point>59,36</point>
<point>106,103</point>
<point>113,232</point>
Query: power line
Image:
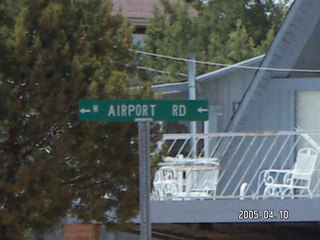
<point>227,65</point>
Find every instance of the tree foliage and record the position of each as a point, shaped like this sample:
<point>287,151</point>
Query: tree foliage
<point>223,31</point>
<point>52,54</point>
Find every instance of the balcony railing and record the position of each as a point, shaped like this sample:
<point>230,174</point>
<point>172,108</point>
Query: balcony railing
<point>239,165</point>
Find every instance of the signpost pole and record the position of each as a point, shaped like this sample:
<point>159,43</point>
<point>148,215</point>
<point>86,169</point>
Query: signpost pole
<point>192,96</point>
<point>144,178</point>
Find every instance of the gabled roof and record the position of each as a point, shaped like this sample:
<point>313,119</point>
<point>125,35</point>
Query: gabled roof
<point>139,12</point>
<point>284,52</point>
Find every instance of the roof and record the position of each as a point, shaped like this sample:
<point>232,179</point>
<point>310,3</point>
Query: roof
<point>284,52</point>
<point>183,86</point>
<point>139,12</point>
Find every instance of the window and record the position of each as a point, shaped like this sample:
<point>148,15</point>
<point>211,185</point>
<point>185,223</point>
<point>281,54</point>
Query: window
<point>308,110</point>
<point>308,119</point>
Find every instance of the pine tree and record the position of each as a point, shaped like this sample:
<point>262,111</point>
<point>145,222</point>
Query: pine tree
<point>170,33</point>
<point>239,45</point>
<point>260,16</point>
<point>54,53</point>
<point>265,44</point>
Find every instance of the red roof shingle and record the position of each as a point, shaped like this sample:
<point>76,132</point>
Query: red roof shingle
<point>140,11</point>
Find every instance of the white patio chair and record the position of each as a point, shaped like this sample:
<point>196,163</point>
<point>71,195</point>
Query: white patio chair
<point>282,182</point>
<point>165,182</point>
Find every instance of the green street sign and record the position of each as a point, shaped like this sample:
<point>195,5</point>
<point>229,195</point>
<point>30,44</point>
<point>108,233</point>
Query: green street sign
<point>92,110</point>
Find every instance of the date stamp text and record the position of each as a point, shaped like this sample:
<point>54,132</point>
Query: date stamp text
<point>255,214</point>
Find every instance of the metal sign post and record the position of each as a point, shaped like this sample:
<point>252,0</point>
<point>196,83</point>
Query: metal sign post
<point>144,178</point>
<point>192,96</point>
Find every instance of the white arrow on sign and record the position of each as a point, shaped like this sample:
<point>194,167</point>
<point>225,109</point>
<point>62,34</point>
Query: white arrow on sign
<point>201,110</point>
<point>84,110</point>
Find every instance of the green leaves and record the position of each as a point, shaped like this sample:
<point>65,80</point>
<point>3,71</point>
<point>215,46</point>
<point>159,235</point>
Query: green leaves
<point>240,45</point>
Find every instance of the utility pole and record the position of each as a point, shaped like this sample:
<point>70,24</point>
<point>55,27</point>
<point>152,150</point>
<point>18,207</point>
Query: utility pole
<point>192,96</point>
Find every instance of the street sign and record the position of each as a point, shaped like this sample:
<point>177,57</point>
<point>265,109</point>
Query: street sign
<point>132,110</point>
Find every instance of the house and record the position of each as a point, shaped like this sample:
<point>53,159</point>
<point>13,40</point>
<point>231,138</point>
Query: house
<point>224,89</point>
<point>253,114</point>
<point>139,13</point>
<point>256,94</point>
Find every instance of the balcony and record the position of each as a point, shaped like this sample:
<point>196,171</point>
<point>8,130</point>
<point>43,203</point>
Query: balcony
<point>211,177</point>
<point>241,166</point>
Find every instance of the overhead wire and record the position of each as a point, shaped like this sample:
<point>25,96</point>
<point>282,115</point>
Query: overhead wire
<point>226,65</point>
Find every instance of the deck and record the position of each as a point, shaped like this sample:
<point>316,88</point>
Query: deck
<point>254,177</point>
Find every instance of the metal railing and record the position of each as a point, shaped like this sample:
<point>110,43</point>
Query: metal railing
<point>244,162</point>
